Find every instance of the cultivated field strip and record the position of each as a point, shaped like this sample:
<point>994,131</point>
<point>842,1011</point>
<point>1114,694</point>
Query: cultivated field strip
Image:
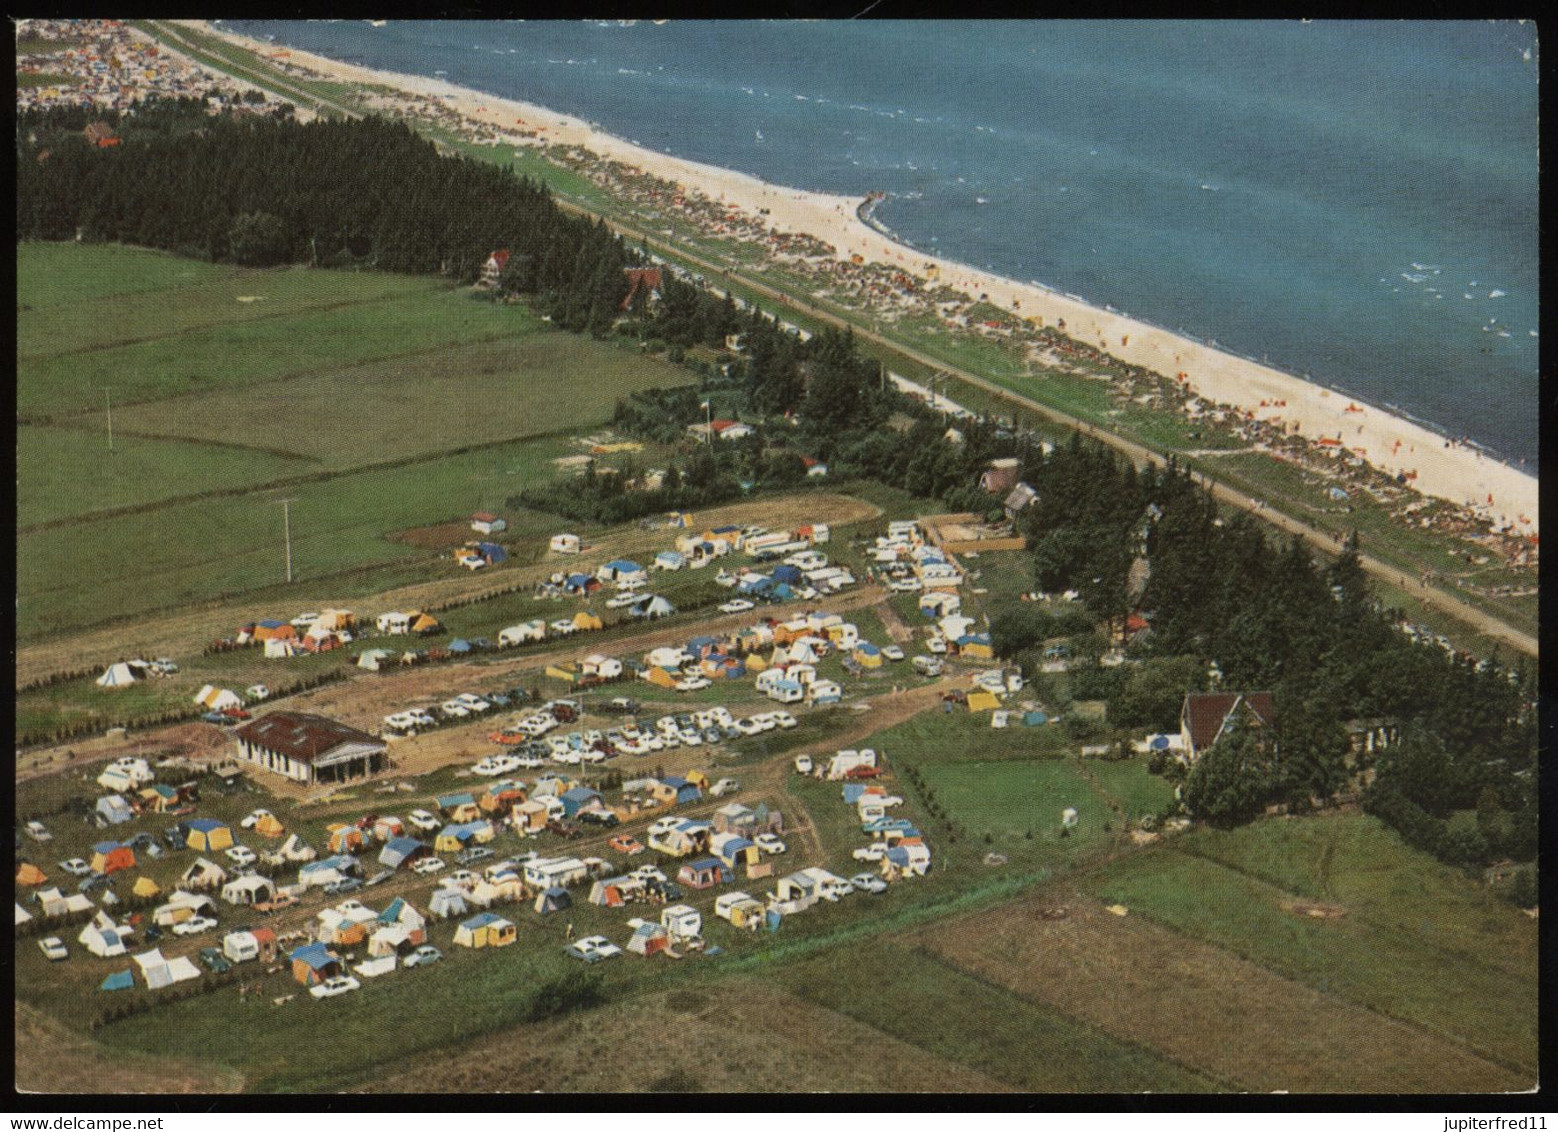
<point>1202,1006</point>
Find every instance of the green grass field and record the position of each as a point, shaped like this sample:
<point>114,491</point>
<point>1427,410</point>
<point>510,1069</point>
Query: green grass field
<point>915,997</point>
<point>317,385</point>
<point>1009,799</point>
<point>1418,941</point>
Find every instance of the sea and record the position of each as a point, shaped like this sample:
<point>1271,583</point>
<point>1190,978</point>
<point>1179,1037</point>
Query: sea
<point>1352,202</point>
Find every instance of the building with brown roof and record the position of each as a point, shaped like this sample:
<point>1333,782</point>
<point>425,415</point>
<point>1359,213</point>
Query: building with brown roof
<point>1205,716</point>
<point>310,748</point>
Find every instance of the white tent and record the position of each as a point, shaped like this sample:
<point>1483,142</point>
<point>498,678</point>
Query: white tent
<point>217,699</point>
<point>119,675</point>
<point>279,647</point>
<point>104,938</point>
<point>160,972</point>
<point>22,915</point>
<point>374,659</point>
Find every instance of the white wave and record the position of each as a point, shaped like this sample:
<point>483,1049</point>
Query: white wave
<point>1496,294</point>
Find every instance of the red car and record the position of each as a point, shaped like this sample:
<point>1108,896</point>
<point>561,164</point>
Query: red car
<point>862,772</point>
<point>235,713</point>
<point>622,843</point>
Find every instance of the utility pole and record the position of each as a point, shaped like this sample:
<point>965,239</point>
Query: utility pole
<point>108,404</point>
<point>286,526</point>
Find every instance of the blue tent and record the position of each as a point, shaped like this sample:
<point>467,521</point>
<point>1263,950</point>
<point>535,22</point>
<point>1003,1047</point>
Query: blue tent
<point>756,584</point>
<point>577,799</point>
<point>553,900</point>
<point>853,792</point>
<point>701,647</point>
<point>121,980</point>
<point>783,592</point>
<point>492,552</point>
<point>789,574</point>
<point>400,851</point>
<point>1159,743</point>
<point>459,644</point>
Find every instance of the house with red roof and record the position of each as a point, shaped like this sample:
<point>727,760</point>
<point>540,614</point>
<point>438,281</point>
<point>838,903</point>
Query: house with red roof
<point>492,270</point>
<point>1206,716</point>
<point>641,280</point>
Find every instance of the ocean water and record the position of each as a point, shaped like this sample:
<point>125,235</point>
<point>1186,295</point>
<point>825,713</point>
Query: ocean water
<point>1355,202</point>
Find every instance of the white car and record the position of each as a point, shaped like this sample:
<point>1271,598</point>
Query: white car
<point>564,627</point>
<point>421,819</point>
<point>400,721</point>
<point>724,786</point>
<point>194,926</point>
<point>892,652</point>
<point>785,720</point>
<point>803,764</point>
<point>254,818</point>
<point>38,831</point>
<point>936,645</point>
<point>692,684</point>
<point>739,605</point>
<point>241,855</point>
<point>53,948</point>
<point>868,882</point>
<point>76,867</point>
<point>593,948</point>
<point>623,600</point>
<point>768,843</point>
<point>454,709</point>
<point>662,825</point>
<point>873,852</point>
<point>527,761</point>
<point>494,765</point>
<point>648,872</point>
<point>428,865</point>
<point>474,702</point>
<point>567,757</point>
<point>332,987</point>
<point>461,878</point>
<point>422,717</point>
<point>690,738</point>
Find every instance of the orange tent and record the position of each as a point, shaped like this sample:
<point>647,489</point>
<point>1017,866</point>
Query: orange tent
<point>30,874</point>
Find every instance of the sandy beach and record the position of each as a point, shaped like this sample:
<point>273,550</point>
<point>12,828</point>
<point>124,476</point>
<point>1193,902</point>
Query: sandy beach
<point>1433,465</point>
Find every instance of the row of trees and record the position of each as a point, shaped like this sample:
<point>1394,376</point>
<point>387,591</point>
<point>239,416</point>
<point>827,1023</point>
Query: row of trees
<point>264,191</point>
<point>1217,589</point>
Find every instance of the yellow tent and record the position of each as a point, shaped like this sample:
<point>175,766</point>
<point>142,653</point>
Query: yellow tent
<point>209,837</point>
<point>145,886</point>
<point>754,662</point>
<point>425,623</point>
<point>982,701</point>
<point>30,874</point>
<point>564,672</point>
<point>661,678</point>
<point>977,650</point>
<point>268,826</point>
<point>698,779</point>
<point>584,619</point>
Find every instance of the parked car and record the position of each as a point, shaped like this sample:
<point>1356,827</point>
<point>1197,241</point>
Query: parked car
<point>258,692</point>
<point>661,825</point>
<point>473,854</point>
<point>38,831</point>
<point>76,867</point>
<point>427,866</point>
<point>473,702</point>
<point>622,600</point>
<point>768,843</point>
<point>53,948</point>
<point>785,720</point>
<point>379,877</point>
<point>421,819</point>
<point>803,764</point>
<point>873,852</point>
<point>692,683</point>
<point>342,886</point>
<point>214,717</point>
<point>649,873</point>
<point>738,605</point>
<point>604,818</point>
<point>194,925</point>
<point>593,948</point>
<point>892,652</point>
<point>868,882</point>
<point>724,786</point>
<point>242,855</point>
<point>626,844</point>
<point>454,709</point>
<point>341,984</point>
<point>936,645</point>
<point>564,828</point>
<point>422,956</point>
<point>215,960</point>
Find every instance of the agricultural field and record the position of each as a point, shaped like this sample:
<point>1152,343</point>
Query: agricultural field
<point>379,403</point>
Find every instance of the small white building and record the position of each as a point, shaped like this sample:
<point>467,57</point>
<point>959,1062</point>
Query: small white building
<point>393,623</point>
<point>486,523</point>
<point>565,544</point>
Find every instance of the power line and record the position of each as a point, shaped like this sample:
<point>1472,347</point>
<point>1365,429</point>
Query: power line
<point>286,522</point>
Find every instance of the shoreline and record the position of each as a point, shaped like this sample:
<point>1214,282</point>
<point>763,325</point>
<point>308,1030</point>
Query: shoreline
<point>1461,472</point>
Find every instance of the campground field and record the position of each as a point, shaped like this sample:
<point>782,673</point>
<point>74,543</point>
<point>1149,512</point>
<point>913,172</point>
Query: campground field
<point>413,404</point>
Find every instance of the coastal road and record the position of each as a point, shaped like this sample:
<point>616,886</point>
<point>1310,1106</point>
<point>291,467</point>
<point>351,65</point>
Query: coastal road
<point>1140,455</point>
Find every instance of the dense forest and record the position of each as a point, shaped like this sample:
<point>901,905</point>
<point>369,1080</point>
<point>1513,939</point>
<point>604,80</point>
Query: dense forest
<point>261,190</point>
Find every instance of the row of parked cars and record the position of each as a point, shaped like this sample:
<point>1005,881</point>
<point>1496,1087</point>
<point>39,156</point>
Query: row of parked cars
<point>463,706</point>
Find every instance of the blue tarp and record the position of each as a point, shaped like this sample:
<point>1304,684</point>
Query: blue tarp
<point>121,980</point>
<point>316,955</point>
<point>492,552</point>
<point>1034,719</point>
